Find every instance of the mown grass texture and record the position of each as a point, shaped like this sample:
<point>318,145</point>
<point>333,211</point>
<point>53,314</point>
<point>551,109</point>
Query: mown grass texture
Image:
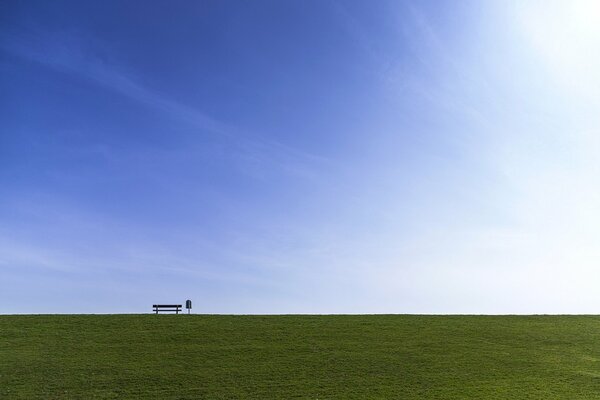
<point>299,357</point>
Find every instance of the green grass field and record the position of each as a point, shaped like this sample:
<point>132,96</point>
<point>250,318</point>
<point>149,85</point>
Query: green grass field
<point>304,357</point>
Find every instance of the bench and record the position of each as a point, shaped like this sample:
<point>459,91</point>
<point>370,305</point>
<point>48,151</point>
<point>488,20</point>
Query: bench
<point>176,308</point>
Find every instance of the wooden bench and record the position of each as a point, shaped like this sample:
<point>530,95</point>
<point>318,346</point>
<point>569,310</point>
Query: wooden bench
<point>176,308</point>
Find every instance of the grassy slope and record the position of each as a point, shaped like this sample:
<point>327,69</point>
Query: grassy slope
<point>283,357</point>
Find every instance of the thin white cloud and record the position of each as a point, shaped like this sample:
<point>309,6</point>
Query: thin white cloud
<point>65,53</point>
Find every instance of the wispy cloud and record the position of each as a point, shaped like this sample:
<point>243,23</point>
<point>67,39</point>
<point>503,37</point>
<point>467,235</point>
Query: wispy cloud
<point>65,52</point>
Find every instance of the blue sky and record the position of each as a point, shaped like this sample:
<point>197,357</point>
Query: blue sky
<point>300,156</point>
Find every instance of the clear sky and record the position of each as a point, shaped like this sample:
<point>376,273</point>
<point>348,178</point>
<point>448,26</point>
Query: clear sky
<point>300,156</point>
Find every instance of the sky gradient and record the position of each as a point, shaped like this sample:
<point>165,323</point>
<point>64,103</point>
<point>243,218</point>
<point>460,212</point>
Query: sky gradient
<point>300,156</point>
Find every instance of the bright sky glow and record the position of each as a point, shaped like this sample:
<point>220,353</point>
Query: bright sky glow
<point>567,35</point>
<point>300,156</point>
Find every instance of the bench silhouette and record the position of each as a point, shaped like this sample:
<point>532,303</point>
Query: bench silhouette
<point>176,308</point>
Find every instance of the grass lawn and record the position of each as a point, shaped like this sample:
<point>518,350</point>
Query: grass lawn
<point>304,357</point>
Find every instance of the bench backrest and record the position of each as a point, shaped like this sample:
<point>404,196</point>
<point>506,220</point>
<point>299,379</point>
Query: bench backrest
<point>166,308</point>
